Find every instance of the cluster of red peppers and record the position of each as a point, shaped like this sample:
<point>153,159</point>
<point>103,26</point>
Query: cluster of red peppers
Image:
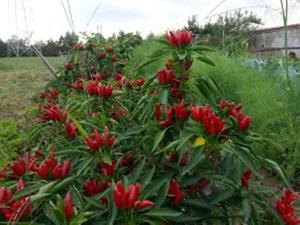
<point>167,76</point>
<point>52,169</point>
<point>179,38</point>
<point>109,51</point>
<point>54,113</point>
<point>94,88</point>
<point>194,188</point>
<point>50,95</point>
<point>93,187</point>
<point>14,210</point>
<point>78,85</point>
<point>129,198</point>
<point>212,123</point>
<point>175,193</point>
<point>99,140</point>
<point>286,208</point>
<point>178,111</point>
<point>121,81</point>
<point>21,166</point>
<point>234,110</point>
<point>107,169</point>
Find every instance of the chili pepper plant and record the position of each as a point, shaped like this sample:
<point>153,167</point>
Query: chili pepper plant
<point>112,146</point>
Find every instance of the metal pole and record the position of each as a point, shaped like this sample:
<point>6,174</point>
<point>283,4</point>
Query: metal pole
<point>44,60</point>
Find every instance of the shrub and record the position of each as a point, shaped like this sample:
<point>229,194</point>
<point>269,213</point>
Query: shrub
<point>111,146</point>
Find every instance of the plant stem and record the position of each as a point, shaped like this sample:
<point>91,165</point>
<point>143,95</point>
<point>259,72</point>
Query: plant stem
<point>284,11</point>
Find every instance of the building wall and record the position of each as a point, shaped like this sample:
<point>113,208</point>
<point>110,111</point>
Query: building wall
<point>270,41</point>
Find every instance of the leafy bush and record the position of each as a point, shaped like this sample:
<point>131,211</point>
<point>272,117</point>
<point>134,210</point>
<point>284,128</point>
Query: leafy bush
<point>113,147</point>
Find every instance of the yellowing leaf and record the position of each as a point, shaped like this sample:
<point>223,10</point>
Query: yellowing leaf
<point>199,142</point>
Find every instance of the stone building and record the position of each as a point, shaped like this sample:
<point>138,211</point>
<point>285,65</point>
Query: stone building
<point>270,41</point>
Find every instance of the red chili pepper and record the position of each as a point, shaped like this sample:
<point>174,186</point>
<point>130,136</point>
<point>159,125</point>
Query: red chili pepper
<point>68,206</point>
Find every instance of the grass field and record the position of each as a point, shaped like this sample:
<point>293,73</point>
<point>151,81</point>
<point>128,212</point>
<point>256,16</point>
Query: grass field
<point>20,79</point>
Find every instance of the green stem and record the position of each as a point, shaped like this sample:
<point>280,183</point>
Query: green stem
<point>284,11</point>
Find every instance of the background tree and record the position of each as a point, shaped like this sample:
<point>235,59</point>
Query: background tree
<point>50,48</point>
<point>67,42</point>
<point>231,33</point>
<point>3,48</point>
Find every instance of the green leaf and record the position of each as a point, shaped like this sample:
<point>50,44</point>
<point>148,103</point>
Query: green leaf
<point>27,191</point>
<point>172,145</point>
<point>243,156</point>
<point>275,167</point>
<point>83,132</point>
<point>113,214</point>
<point>78,219</point>
<point>181,55</point>
<point>222,196</point>
<point>22,223</point>
<point>163,97</point>
<point>46,188</point>
<point>162,212</point>
<point>206,60</point>
<point>263,204</point>
<point>194,161</point>
<point>208,87</point>
<point>58,212</point>
<point>39,197</point>
<point>158,139</point>
<point>200,49</point>
<point>85,165</point>
<point>147,62</point>
<point>63,184</point>
<point>149,81</point>
<point>158,53</point>
<point>184,140</point>
<point>161,196</point>
<point>247,210</point>
<point>152,187</point>
<point>136,173</point>
<point>184,218</point>
<point>148,177</point>
<point>199,203</point>
<point>49,212</point>
<point>163,41</point>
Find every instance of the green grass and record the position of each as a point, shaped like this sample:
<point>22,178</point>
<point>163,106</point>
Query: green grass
<point>20,79</point>
<point>28,63</point>
<point>10,139</point>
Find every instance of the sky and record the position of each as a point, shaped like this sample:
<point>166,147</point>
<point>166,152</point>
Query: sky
<point>45,19</point>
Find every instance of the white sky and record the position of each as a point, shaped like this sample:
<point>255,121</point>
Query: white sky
<point>46,19</point>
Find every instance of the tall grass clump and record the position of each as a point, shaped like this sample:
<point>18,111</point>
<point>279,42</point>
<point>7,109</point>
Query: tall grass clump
<point>263,93</point>
<point>141,52</point>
